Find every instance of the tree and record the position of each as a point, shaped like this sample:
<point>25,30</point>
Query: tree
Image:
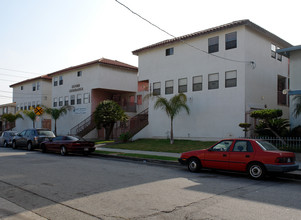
<point>107,113</point>
<point>56,113</point>
<point>270,120</point>
<point>297,108</point>
<point>172,107</point>
<point>30,114</point>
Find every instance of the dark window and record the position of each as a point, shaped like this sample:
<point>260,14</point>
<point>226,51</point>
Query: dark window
<point>231,79</point>
<point>169,51</point>
<point>213,44</point>
<point>182,85</point>
<point>157,88</point>
<point>169,87</point>
<point>231,40</point>
<point>197,83</point>
<point>213,81</point>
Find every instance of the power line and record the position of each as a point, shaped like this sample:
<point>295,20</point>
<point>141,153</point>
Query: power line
<point>183,41</point>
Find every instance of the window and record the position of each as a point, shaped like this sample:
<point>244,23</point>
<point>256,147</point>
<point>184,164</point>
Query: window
<point>60,101</point>
<point>79,99</point>
<point>231,40</point>
<point>60,80</point>
<point>79,73</point>
<point>197,82</point>
<point>86,98</point>
<point>139,99</point>
<point>55,81</point>
<point>213,81</point>
<point>157,88</point>
<point>182,85</point>
<point>33,87</point>
<point>54,102</point>
<point>72,99</point>
<point>273,51</point>
<point>169,87</point>
<point>169,51</point>
<point>231,79</point>
<point>66,100</point>
<point>281,99</point>
<point>38,85</point>
<point>279,56</point>
<point>243,146</point>
<point>21,87</point>
<point>213,44</point>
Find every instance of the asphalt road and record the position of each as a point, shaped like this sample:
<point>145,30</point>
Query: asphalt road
<point>48,186</point>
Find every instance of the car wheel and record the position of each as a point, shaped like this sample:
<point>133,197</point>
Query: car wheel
<point>5,144</point>
<point>256,171</point>
<point>29,146</point>
<point>194,165</point>
<point>14,145</point>
<point>64,151</point>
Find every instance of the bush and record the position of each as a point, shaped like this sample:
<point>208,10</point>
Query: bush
<point>125,137</point>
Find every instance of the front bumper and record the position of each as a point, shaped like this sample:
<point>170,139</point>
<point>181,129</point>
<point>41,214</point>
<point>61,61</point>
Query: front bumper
<point>281,168</point>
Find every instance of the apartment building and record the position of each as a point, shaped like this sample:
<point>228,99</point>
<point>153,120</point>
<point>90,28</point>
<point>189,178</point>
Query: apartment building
<point>226,72</point>
<point>29,94</point>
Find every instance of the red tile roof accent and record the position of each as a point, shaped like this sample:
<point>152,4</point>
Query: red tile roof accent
<point>245,22</point>
<point>102,61</point>
<point>44,77</point>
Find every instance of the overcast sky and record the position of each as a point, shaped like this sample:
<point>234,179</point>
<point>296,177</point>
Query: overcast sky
<point>43,36</point>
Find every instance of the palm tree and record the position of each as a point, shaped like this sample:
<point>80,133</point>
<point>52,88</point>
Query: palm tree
<point>172,107</point>
<point>30,114</point>
<point>297,109</point>
<point>56,113</point>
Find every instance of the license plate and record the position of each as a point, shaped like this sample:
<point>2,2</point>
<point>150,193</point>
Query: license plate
<point>86,149</point>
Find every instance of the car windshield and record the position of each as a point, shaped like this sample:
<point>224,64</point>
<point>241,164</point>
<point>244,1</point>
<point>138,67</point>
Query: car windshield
<point>267,146</point>
<point>46,133</point>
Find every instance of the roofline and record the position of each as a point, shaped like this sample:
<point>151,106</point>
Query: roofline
<point>286,51</point>
<point>245,22</point>
<point>102,61</point>
<point>43,77</point>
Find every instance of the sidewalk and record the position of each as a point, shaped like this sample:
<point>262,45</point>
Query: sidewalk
<point>166,154</point>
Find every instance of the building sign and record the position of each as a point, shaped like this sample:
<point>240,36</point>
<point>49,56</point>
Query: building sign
<point>79,111</point>
<point>76,88</point>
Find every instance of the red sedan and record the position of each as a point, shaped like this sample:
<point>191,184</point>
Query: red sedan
<point>68,144</point>
<point>257,157</point>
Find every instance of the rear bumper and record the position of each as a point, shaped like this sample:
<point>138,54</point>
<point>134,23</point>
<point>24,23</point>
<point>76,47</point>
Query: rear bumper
<point>281,168</point>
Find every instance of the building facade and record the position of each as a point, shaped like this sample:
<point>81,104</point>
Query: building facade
<point>29,94</point>
<point>294,54</point>
<point>226,72</point>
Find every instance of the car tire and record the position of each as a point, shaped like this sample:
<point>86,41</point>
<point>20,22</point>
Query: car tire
<point>194,165</point>
<point>64,151</point>
<point>29,146</point>
<point>256,171</point>
<point>5,144</point>
<point>14,145</point>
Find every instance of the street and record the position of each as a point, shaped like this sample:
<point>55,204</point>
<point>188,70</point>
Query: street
<point>34,185</point>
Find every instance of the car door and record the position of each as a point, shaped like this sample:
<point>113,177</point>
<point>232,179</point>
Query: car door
<point>240,155</point>
<point>217,157</point>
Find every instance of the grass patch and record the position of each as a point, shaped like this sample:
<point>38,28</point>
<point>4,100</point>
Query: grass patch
<point>143,156</point>
<point>163,145</point>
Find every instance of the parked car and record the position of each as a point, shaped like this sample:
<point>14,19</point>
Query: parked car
<point>6,138</point>
<point>31,138</point>
<point>256,157</point>
<point>68,144</point>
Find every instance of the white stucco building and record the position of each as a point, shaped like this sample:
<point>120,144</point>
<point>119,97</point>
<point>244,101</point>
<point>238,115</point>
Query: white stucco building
<point>27,95</point>
<point>84,86</point>
<point>226,72</point>
<point>294,54</point>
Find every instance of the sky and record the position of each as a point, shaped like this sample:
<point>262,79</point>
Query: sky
<point>38,37</point>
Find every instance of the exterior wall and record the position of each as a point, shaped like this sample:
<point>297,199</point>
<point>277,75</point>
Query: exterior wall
<point>99,81</point>
<point>215,113</point>
<point>295,83</point>
<point>261,81</point>
<point>29,97</point>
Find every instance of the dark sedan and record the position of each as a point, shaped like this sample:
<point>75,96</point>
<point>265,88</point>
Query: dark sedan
<point>68,144</point>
